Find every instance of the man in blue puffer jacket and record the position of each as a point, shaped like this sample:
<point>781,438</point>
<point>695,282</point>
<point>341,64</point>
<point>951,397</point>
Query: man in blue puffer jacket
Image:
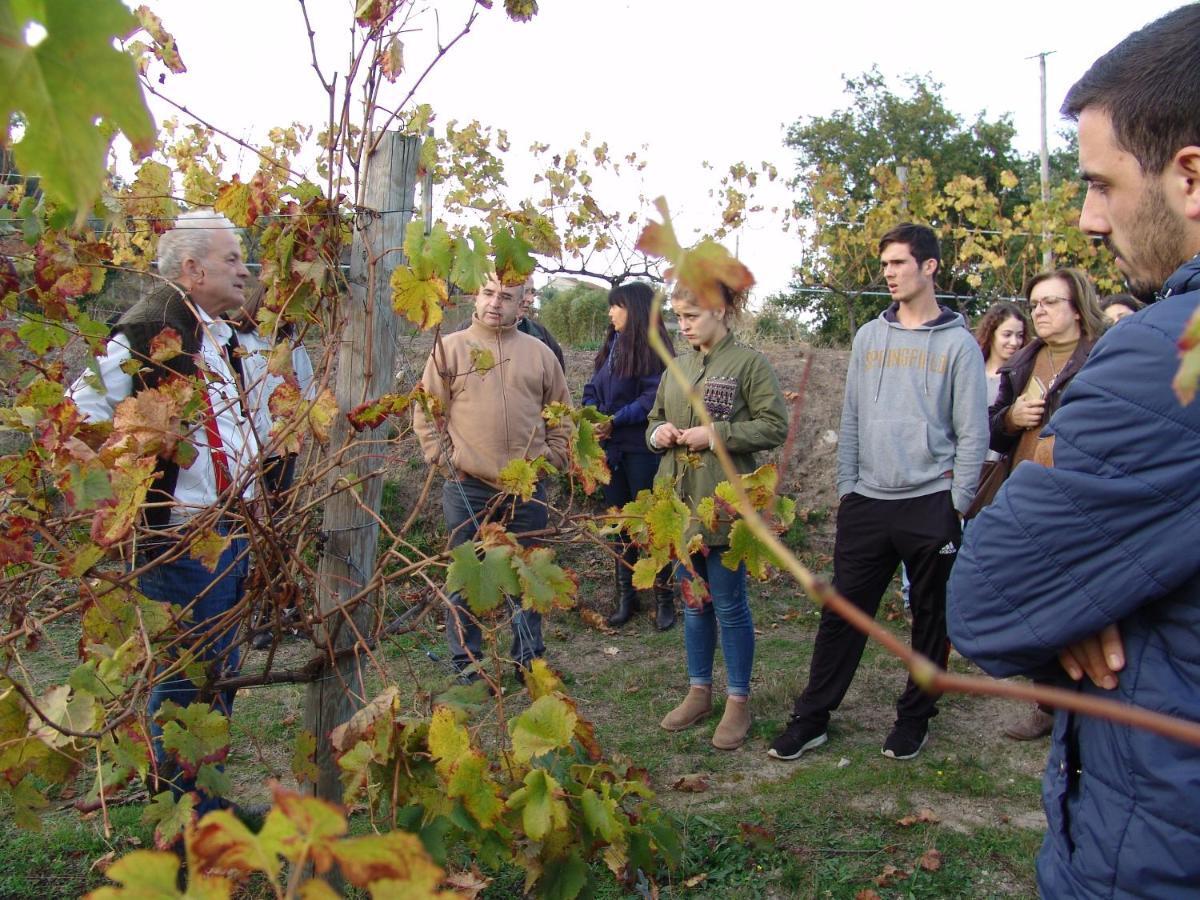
<point>1088,571</point>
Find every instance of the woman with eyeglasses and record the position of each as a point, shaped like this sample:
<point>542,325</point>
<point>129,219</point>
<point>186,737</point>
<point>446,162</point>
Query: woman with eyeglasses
<point>1068,322</point>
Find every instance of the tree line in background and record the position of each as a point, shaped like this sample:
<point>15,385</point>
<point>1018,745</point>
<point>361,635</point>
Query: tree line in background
<point>892,156</point>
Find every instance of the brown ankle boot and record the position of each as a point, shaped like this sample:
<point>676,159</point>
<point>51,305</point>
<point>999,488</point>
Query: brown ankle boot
<point>695,706</point>
<point>735,723</point>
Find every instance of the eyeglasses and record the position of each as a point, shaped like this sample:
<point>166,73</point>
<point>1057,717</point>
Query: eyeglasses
<point>1047,302</point>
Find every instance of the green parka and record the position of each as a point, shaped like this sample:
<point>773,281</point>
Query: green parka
<point>742,394</point>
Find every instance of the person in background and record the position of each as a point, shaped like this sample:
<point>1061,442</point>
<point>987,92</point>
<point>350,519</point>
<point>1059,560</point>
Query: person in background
<point>488,419</point>
<point>200,260</point>
<point>1001,332</point>
<point>1068,322</point>
<point>742,396</point>
<point>624,384</point>
<point>1086,570</point>
<point>912,442</point>
<point>527,324</point>
<point>1117,306</point>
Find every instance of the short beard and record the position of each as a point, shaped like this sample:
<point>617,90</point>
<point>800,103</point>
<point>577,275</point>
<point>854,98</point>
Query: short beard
<point>1157,241</point>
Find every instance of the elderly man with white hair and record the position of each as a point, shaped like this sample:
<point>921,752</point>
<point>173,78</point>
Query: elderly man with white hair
<point>200,262</point>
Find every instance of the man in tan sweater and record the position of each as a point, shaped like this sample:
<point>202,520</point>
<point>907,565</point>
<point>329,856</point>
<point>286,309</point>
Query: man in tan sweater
<point>492,414</point>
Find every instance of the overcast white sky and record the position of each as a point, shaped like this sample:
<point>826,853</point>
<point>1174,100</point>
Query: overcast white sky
<point>694,79</point>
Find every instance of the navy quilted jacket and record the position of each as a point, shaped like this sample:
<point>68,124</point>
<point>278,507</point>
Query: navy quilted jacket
<point>1110,534</point>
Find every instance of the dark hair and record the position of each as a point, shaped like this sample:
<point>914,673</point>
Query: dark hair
<point>997,314</point>
<point>921,241</point>
<point>1149,85</point>
<point>1130,302</point>
<point>1083,298</point>
<point>637,357</point>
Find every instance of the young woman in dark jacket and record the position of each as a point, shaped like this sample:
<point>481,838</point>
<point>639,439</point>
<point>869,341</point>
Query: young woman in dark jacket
<point>623,386</point>
<point>1068,322</point>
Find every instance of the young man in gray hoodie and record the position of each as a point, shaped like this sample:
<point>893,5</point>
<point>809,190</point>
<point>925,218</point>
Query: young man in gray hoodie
<point>913,438</point>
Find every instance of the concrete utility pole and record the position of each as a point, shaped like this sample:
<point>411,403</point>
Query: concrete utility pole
<point>1047,251</point>
<point>366,369</point>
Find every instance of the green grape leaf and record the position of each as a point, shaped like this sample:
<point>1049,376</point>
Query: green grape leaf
<point>600,814</point>
<point>471,783</point>
<point>706,512</point>
<point>87,485</point>
<point>645,570</point>
<point>745,547</point>
<point>563,878</point>
<point>168,816</point>
<point>544,584</point>
<point>28,802</point>
<point>214,780</point>
<point>546,725</point>
<point>428,255</point>
<point>142,874</point>
<point>194,734</point>
<point>520,476</point>
<point>540,803</point>
<point>588,461</point>
<point>69,120</point>
<point>472,262</point>
<point>417,299</point>
<point>513,262</point>
<point>484,582</point>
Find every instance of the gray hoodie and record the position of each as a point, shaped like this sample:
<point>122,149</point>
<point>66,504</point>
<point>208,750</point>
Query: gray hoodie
<point>914,420</point>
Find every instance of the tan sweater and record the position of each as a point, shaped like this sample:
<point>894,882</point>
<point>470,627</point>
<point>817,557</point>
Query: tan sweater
<point>493,417</point>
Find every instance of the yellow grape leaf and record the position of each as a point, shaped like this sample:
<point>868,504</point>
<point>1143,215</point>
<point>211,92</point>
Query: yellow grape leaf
<point>220,842</point>
<point>321,415</point>
<point>540,803</point>
<point>418,300</point>
<point>759,486</point>
<point>448,741</point>
<point>702,269</point>
<point>520,476</point>
<point>114,518</point>
<point>303,765</point>
<point>541,680</point>
<point>547,725</point>
<point>303,826</point>
<point>207,546</point>
<point>396,855</point>
<point>645,570</point>
<point>482,359</point>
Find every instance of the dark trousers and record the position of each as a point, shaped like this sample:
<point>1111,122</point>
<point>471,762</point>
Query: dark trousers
<point>469,498</point>
<point>631,472</point>
<point>873,537</point>
<point>209,596</point>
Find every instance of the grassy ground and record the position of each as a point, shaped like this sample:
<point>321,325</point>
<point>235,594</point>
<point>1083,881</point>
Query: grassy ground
<point>826,825</point>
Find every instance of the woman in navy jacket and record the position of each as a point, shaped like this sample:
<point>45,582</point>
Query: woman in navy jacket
<point>623,386</point>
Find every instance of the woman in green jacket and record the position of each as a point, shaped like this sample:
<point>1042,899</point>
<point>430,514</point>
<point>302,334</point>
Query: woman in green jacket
<point>742,396</point>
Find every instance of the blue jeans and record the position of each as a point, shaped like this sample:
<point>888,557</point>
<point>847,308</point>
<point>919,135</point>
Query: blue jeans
<point>459,501</point>
<point>728,608</point>
<point>181,582</point>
